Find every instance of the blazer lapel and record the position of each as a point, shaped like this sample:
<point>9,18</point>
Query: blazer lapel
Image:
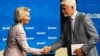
<point>75,31</point>
<point>76,23</point>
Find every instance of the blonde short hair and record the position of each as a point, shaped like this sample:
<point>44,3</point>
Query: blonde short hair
<point>20,13</point>
<point>69,2</point>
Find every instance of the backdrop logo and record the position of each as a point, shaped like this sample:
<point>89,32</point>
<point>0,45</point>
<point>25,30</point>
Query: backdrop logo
<point>4,39</point>
<point>41,43</point>
<point>52,28</point>
<point>30,38</point>
<point>5,28</point>
<point>93,15</point>
<point>52,37</point>
<point>41,33</point>
<point>29,28</point>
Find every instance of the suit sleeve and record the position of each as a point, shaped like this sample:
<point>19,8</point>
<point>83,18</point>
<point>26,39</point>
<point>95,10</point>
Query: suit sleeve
<point>22,42</point>
<point>92,34</point>
<point>58,44</point>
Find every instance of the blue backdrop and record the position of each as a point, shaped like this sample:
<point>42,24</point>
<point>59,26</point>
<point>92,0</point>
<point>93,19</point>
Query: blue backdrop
<point>44,26</point>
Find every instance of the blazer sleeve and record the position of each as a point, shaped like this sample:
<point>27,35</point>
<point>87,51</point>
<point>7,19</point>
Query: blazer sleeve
<point>58,44</point>
<point>92,34</point>
<point>22,42</point>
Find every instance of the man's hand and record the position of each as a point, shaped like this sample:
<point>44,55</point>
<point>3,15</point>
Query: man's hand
<point>46,49</point>
<point>78,52</point>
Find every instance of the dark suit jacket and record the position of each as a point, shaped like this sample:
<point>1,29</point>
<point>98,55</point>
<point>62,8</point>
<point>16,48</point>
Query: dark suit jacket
<point>84,33</point>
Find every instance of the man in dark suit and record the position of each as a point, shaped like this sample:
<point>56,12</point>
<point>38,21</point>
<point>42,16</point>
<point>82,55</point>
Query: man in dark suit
<point>83,31</point>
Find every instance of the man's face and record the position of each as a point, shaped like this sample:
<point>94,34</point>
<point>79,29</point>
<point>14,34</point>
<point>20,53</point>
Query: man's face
<point>67,10</point>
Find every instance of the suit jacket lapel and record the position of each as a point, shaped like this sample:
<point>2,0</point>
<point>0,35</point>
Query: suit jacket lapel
<point>75,31</point>
<point>76,23</point>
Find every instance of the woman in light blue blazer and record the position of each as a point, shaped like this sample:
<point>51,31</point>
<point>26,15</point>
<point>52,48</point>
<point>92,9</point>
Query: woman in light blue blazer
<point>16,43</point>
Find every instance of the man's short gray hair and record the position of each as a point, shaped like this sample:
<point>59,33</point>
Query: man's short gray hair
<point>69,2</point>
<point>19,13</point>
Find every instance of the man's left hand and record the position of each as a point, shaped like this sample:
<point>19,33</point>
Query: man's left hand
<point>78,52</point>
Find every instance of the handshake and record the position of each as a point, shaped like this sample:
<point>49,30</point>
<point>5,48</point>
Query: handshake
<point>46,49</point>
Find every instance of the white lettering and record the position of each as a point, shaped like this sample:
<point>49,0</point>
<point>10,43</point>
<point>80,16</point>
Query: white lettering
<point>52,28</point>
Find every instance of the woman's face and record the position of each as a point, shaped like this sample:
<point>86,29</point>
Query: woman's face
<point>26,18</point>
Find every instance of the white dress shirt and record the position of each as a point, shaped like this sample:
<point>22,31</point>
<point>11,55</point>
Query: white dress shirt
<point>73,19</point>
